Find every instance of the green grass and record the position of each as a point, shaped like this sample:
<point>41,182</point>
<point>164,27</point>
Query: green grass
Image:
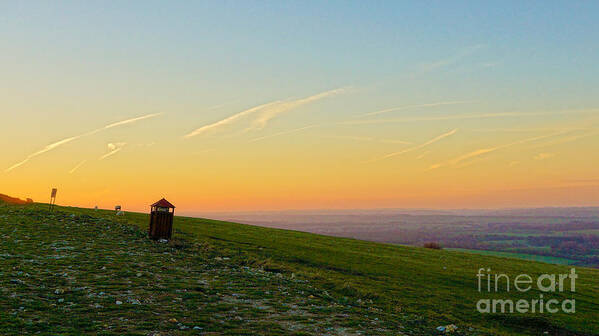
<point>524,256</point>
<point>330,285</point>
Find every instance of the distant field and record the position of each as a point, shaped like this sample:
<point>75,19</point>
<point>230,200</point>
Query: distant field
<point>533,257</point>
<point>563,233</point>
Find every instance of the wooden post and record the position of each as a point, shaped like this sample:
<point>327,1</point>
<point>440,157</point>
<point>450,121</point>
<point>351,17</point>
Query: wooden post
<point>53,198</point>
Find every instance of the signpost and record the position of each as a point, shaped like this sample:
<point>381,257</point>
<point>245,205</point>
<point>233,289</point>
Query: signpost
<point>53,198</point>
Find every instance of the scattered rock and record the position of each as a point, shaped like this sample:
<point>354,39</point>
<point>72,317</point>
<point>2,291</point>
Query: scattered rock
<point>448,328</point>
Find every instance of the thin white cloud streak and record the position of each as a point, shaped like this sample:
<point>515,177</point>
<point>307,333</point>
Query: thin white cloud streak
<point>484,151</point>
<point>114,148</point>
<point>272,111</point>
<point>565,140</point>
<point>283,133</point>
<point>129,121</point>
<point>77,167</point>
<point>527,130</point>
<point>441,118</point>
<point>453,59</point>
<point>264,112</point>
<point>428,143</point>
<point>476,116</point>
<point>394,109</point>
<point>44,150</point>
<point>215,107</point>
<point>229,120</point>
<point>67,140</point>
<point>419,157</point>
<point>109,154</point>
<point>362,138</point>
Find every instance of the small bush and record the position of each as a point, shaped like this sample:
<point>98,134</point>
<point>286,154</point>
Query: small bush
<point>434,246</point>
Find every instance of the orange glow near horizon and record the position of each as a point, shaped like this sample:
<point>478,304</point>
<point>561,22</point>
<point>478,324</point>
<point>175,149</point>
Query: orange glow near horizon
<point>271,107</point>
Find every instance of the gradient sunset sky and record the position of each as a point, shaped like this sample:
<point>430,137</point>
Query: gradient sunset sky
<point>264,105</point>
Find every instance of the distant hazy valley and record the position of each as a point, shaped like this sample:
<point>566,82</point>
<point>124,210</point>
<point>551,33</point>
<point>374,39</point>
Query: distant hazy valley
<point>556,235</point>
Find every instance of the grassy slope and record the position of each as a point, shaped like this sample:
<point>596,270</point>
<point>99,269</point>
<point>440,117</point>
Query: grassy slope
<point>67,274</point>
<point>417,288</point>
<point>533,257</point>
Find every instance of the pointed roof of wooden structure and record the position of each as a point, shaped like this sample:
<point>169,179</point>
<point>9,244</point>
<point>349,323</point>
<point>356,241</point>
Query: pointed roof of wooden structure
<point>163,204</point>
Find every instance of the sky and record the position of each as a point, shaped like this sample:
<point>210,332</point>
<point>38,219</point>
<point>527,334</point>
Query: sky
<point>270,105</point>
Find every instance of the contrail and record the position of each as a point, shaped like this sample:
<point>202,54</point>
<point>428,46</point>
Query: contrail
<point>77,166</point>
<point>439,118</point>
<point>229,120</point>
<point>67,140</point>
<point>114,148</point>
<point>393,109</point>
<point>483,151</point>
<point>453,59</point>
<point>129,121</point>
<point>265,112</point>
<point>364,138</point>
<point>422,155</point>
<point>110,153</point>
<point>566,140</point>
<point>272,111</point>
<point>283,133</point>
<point>430,142</point>
<point>468,116</point>
<point>42,151</point>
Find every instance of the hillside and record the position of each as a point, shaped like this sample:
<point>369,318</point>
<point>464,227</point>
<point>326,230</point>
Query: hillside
<point>565,235</point>
<point>11,200</point>
<point>84,271</point>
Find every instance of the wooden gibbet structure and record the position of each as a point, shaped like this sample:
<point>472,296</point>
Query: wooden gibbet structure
<point>161,220</point>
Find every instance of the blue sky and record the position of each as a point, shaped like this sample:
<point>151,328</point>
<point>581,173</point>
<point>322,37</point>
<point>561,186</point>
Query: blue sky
<point>74,66</point>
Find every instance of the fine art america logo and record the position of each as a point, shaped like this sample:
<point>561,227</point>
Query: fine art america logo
<point>544,303</point>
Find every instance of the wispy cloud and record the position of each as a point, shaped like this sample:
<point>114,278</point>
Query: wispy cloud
<point>419,157</point>
<point>128,121</point>
<point>428,143</point>
<point>229,120</point>
<point>283,133</point>
<point>272,111</point>
<point>441,118</point>
<point>405,107</point>
<point>528,130</point>
<point>42,151</point>
<point>264,113</point>
<point>113,149</point>
<point>364,138</point>
<point>452,59</point>
<point>484,151</point>
<point>566,139</point>
<point>59,143</point>
<point>77,167</point>
<point>216,107</point>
